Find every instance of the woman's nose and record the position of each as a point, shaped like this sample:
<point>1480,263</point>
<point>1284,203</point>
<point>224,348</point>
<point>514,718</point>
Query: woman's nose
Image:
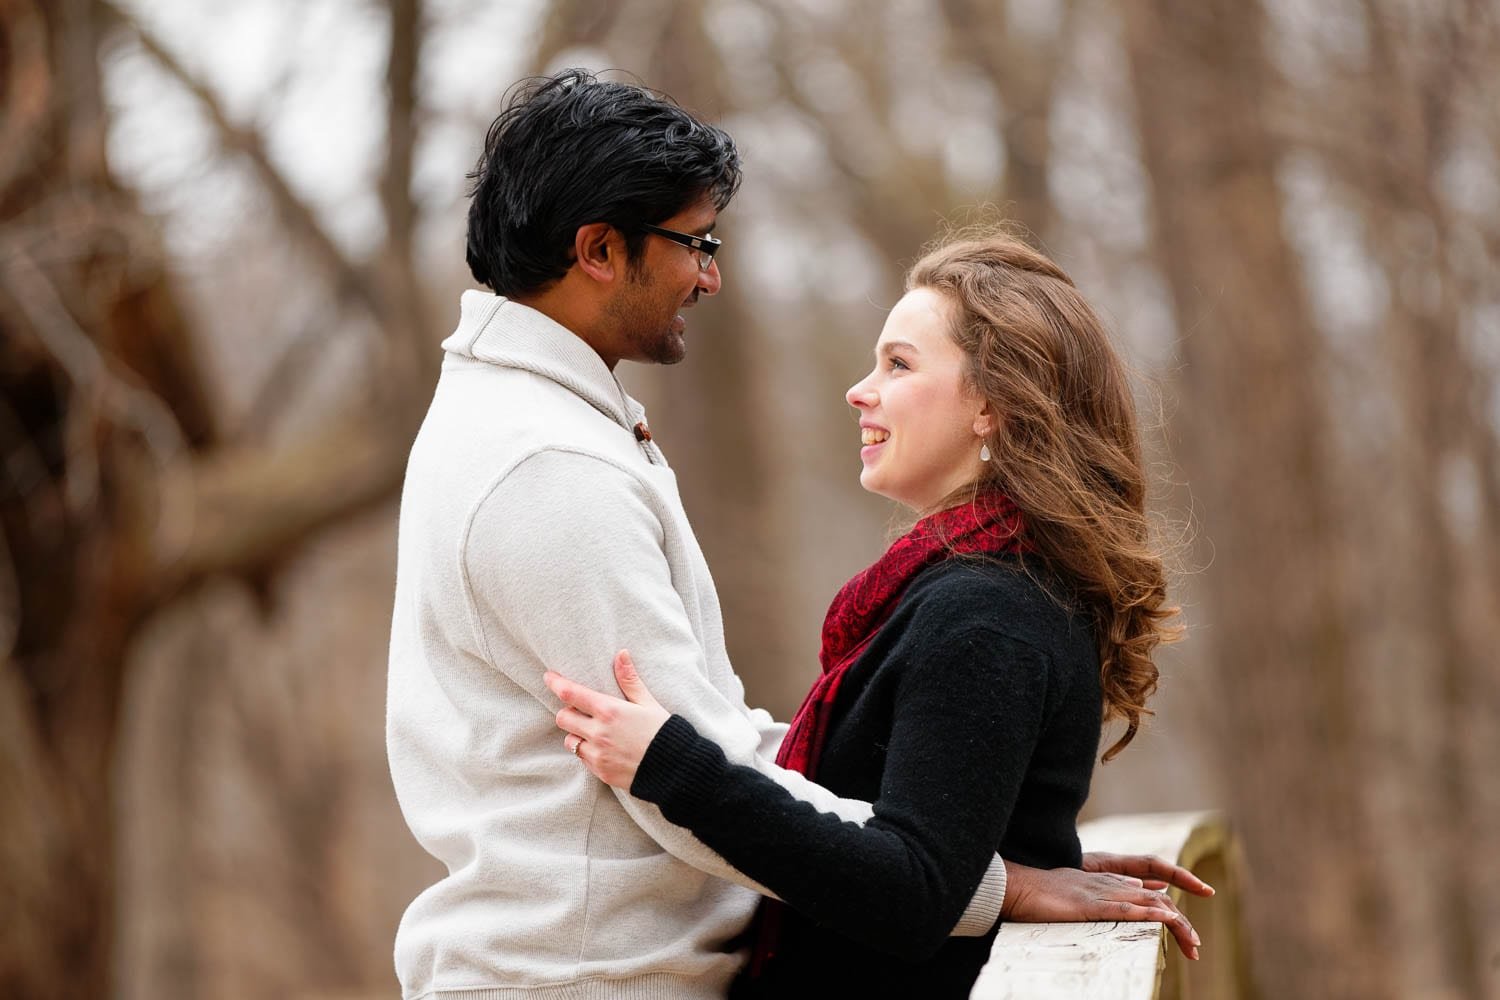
<point>860,395</point>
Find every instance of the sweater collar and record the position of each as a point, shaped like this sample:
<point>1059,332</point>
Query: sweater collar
<point>498,331</point>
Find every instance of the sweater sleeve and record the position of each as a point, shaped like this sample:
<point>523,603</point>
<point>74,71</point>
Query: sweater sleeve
<point>966,719</point>
<point>567,556</point>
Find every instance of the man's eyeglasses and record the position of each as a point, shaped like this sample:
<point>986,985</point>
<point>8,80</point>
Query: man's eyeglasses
<point>703,247</point>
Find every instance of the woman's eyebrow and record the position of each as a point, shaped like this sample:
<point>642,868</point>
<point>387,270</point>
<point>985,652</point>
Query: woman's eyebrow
<point>896,345</point>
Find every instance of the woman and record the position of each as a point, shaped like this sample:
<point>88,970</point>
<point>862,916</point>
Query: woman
<point>967,673</point>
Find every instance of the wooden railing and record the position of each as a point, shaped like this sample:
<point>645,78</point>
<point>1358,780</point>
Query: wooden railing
<point>1134,961</point>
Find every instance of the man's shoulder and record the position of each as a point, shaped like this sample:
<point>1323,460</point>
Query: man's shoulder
<point>486,425</point>
<point>565,477</point>
<point>559,495</point>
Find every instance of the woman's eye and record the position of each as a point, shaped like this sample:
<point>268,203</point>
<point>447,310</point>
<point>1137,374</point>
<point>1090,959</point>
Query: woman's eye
<point>896,362</point>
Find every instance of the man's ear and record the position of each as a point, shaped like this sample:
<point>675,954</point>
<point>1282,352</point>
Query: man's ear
<point>599,250</point>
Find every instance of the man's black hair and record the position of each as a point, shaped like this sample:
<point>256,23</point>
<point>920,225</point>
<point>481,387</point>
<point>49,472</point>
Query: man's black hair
<point>569,150</point>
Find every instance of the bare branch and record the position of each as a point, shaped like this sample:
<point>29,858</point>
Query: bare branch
<point>349,279</point>
<point>10,601</point>
<point>251,505</point>
<point>401,126</point>
<point>1024,71</point>
<point>573,22</point>
<point>27,89</point>
<point>404,289</point>
<point>87,368</point>
<point>897,225</point>
<point>288,374</point>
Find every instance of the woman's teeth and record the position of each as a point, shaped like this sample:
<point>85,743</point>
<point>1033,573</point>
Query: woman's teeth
<point>870,435</point>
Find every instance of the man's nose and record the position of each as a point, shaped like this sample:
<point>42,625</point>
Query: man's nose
<point>710,281</point>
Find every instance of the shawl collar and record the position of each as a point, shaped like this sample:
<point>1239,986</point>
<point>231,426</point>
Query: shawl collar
<point>498,331</point>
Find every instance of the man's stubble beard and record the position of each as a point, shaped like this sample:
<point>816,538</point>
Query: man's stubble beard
<point>656,345</point>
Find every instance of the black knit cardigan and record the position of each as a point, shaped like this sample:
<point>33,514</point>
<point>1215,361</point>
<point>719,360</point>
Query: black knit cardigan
<point>972,723</point>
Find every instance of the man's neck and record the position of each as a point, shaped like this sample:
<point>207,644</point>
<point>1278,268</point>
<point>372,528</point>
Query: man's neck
<point>575,312</point>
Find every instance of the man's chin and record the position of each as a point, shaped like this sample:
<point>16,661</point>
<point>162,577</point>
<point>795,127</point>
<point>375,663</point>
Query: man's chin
<point>673,350</point>
<point>668,348</point>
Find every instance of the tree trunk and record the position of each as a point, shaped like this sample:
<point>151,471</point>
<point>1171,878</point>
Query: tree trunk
<point>1408,133</point>
<point>98,380</point>
<point>1255,444</point>
<point>118,496</point>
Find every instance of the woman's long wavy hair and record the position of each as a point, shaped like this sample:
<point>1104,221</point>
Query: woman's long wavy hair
<point>1065,446</point>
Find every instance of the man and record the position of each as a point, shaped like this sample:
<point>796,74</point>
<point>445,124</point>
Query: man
<point>541,528</point>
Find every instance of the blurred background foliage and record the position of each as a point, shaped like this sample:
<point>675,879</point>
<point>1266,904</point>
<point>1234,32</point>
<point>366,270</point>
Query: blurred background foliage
<point>231,237</point>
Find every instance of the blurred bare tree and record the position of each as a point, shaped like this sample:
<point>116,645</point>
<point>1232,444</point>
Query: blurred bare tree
<point>1328,546</point>
<point>1291,210</point>
<point>121,493</point>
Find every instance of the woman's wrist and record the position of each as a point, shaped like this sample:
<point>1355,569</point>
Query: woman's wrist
<point>679,766</point>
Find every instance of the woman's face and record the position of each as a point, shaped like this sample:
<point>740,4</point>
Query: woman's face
<point>919,421</point>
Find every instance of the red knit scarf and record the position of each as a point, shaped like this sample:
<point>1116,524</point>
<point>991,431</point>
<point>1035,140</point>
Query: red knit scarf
<point>992,525</point>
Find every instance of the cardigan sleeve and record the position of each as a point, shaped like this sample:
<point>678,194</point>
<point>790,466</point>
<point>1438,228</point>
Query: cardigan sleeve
<point>966,719</point>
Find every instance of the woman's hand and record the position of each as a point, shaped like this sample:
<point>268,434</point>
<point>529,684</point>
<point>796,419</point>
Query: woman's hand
<point>610,736</point>
<point>1065,895</point>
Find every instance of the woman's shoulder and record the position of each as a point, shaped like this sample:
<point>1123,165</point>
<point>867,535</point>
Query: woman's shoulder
<point>981,581</point>
<point>1001,595</point>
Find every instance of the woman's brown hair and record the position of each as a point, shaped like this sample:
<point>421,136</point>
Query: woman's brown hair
<point>1065,446</point>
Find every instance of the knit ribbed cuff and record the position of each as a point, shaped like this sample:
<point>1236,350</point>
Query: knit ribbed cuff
<point>983,912</point>
<point>679,770</point>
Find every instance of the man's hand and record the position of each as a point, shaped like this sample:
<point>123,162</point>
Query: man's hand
<point>1068,895</point>
<point>1151,870</point>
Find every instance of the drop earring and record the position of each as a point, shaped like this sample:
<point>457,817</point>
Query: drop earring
<point>984,452</point>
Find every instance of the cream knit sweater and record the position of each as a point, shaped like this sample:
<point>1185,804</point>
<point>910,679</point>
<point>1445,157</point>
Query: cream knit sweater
<point>537,532</point>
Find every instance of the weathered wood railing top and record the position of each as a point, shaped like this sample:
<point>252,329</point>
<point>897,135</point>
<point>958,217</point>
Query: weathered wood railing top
<point>1132,961</point>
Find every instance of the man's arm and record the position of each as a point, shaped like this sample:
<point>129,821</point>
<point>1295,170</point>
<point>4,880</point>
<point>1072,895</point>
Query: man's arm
<point>566,557</point>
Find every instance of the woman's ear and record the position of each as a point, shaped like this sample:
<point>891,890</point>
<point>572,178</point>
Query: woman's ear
<point>984,422</point>
<point>599,251</point>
